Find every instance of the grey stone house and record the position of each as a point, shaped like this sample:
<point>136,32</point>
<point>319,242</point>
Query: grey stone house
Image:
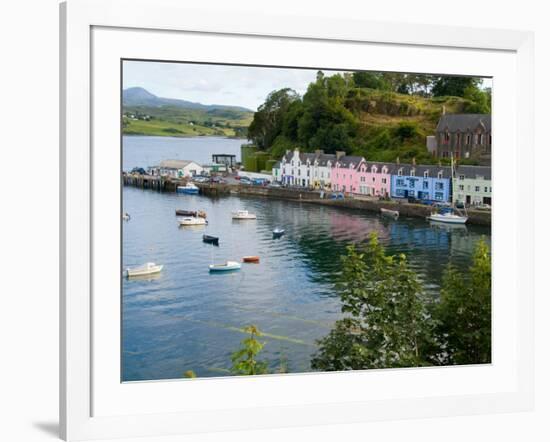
<point>466,136</point>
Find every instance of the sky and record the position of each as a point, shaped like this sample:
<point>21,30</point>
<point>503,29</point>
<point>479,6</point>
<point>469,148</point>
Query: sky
<point>215,84</point>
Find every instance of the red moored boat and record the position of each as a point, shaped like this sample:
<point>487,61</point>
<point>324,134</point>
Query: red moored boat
<point>252,259</point>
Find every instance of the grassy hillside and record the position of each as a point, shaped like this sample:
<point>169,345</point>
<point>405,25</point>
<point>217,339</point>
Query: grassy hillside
<point>396,125</point>
<point>178,122</point>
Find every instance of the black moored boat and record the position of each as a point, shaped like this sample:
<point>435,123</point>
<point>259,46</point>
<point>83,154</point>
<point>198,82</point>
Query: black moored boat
<point>211,239</point>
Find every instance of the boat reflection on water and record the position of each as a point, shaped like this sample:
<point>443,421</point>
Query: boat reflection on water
<point>448,227</point>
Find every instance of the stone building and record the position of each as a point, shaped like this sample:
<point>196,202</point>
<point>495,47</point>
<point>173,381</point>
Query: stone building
<point>466,136</point>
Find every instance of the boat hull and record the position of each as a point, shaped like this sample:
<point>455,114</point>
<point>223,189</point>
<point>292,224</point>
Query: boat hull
<point>136,272</point>
<point>389,213</point>
<point>251,259</point>
<point>448,220</point>
<point>211,240</point>
<point>228,267</point>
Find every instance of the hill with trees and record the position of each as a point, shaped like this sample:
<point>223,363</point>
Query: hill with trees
<point>380,116</point>
<point>146,114</point>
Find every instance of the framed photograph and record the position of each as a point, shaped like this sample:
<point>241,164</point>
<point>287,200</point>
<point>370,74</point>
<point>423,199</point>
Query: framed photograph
<point>288,221</point>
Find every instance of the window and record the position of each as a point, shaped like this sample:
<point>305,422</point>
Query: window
<point>467,139</point>
<point>438,186</point>
<point>466,155</point>
<point>411,183</point>
<point>362,179</point>
<point>461,187</point>
<point>439,196</point>
<point>477,188</point>
<point>299,172</point>
<point>485,189</point>
<point>400,182</point>
<point>383,180</point>
<point>400,192</point>
<point>425,184</point>
<point>373,179</point>
<point>461,177</point>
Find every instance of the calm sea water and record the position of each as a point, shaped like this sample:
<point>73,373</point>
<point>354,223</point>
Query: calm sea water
<point>189,319</point>
<point>148,151</point>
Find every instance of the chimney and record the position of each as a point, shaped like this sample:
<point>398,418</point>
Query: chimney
<point>340,154</point>
<point>397,160</point>
<point>414,161</point>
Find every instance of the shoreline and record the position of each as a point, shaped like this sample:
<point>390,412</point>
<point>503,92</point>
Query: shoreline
<point>475,217</point>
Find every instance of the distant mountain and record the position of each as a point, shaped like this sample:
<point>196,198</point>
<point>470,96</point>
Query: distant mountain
<point>138,96</point>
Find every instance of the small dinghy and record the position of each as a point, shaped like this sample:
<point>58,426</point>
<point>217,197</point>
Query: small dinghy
<point>390,213</point>
<point>225,267</point>
<point>243,214</point>
<point>149,268</point>
<point>192,221</point>
<point>251,259</point>
<point>209,239</point>
<point>278,232</point>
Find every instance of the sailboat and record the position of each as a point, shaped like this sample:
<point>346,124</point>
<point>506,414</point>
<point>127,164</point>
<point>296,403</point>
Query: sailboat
<point>447,215</point>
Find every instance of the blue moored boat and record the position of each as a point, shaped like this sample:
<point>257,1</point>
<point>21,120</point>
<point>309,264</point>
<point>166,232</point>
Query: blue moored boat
<point>189,188</point>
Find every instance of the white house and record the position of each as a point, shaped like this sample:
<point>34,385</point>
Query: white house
<point>177,168</point>
<point>311,170</point>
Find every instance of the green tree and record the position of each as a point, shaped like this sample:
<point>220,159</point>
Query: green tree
<point>453,86</point>
<point>244,359</point>
<point>388,324</point>
<point>267,122</point>
<point>463,314</point>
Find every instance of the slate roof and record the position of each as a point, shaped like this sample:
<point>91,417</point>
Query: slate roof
<point>346,160</point>
<point>472,172</point>
<point>419,170</point>
<point>463,122</point>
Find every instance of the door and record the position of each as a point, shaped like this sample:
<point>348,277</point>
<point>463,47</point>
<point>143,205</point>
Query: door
<point>468,199</point>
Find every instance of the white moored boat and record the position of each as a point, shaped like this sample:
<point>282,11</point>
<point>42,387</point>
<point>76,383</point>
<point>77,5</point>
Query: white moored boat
<point>243,214</point>
<point>149,268</point>
<point>388,212</point>
<point>448,217</point>
<point>225,267</point>
<point>192,221</point>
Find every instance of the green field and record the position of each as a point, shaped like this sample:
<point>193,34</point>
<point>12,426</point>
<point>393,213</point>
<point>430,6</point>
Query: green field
<point>177,122</point>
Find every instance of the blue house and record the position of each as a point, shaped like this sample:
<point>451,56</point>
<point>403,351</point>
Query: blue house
<point>430,183</point>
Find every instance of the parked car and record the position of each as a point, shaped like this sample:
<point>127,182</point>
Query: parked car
<point>459,205</point>
<point>483,207</point>
<point>274,185</point>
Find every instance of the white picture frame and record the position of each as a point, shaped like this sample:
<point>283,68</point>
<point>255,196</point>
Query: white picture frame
<point>94,404</point>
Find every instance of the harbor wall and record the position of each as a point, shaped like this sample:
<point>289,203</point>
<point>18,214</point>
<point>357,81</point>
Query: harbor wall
<point>477,217</point>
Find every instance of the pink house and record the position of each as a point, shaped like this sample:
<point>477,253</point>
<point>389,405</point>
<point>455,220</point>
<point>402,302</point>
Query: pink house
<point>372,179</point>
<point>344,173</point>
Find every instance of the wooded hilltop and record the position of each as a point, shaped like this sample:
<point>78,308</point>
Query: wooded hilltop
<point>380,116</point>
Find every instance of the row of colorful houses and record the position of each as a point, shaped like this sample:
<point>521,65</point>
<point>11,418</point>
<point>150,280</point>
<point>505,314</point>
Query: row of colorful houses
<point>354,175</point>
